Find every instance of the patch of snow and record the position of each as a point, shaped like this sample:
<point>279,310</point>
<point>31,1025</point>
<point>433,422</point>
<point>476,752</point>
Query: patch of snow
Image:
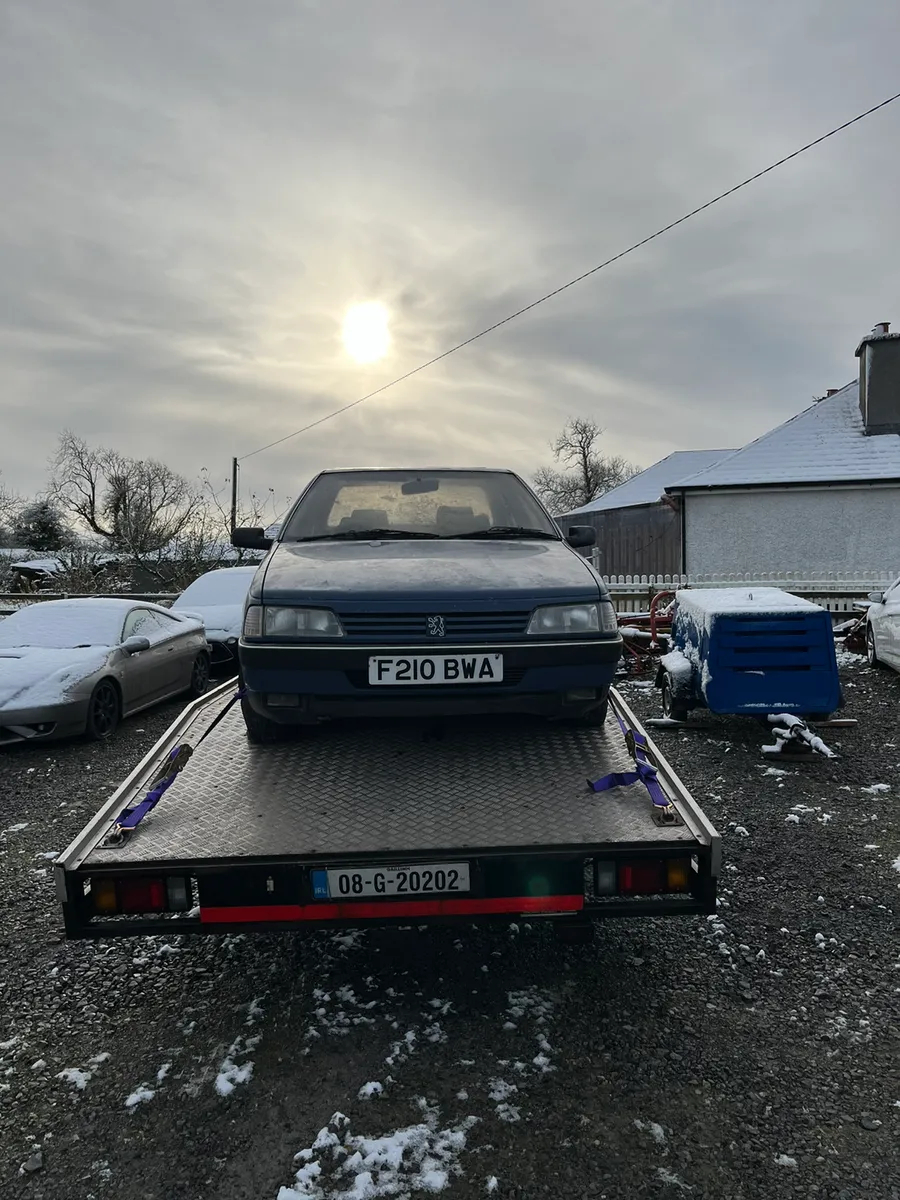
<point>368,1090</point>
<point>419,1157</point>
<point>15,828</point>
<point>491,1184</point>
<point>792,819</point>
<point>784,1160</point>
<point>875,788</point>
<point>666,1176</point>
<point>80,1077</point>
<point>896,864</point>
<point>501,1090</point>
<point>140,1095</point>
<point>509,1113</point>
<point>232,1073</point>
<point>741,831</point>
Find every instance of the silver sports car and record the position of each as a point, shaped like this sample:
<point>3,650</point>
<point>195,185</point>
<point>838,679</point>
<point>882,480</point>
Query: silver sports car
<point>78,666</point>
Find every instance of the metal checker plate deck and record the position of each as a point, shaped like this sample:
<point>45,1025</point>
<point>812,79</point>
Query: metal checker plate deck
<point>386,788</point>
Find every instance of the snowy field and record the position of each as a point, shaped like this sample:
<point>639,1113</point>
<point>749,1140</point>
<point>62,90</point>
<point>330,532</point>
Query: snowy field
<point>751,1054</point>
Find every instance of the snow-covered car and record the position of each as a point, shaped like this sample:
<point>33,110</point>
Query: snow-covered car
<point>883,627</point>
<point>218,597</point>
<point>70,667</point>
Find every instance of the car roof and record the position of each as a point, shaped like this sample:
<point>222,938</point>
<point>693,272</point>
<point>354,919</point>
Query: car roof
<point>419,470</point>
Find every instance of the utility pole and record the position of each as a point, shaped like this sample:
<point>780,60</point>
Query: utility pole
<point>234,492</point>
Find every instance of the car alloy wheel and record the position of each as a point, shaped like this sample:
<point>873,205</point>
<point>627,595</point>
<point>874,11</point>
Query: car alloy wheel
<point>871,652</point>
<point>104,711</point>
<point>200,675</point>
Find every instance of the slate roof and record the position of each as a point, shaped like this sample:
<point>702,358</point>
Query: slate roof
<point>823,444</point>
<point>647,487</point>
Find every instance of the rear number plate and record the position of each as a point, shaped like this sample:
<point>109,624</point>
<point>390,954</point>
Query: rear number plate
<point>351,883</point>
<point>436,668</point>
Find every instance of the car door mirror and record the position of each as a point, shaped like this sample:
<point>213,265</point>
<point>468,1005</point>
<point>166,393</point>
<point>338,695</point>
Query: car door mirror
<point>876,597</point>
<point>135,644</point>
<point>581,535</point>
<point>250,538</point>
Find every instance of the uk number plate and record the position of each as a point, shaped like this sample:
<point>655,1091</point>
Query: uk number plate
<point>353,883</point>
<point>436,668</point>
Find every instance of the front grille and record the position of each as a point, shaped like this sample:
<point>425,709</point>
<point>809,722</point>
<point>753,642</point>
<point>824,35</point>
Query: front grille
<point>414,627</point>
<point>512,676</point>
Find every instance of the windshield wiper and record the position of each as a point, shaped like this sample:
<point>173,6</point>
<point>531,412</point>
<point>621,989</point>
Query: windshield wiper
<point>508,531</point>
<point>365,535</point>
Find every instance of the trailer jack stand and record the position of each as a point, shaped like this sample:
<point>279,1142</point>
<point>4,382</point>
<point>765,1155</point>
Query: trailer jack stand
<point>794,740</point>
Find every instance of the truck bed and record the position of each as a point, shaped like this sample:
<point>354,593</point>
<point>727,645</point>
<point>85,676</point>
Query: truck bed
<point>384,792</point>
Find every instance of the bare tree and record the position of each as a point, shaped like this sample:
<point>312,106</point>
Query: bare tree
<point>138,506</point>
<point>9,508</point>
<point>586,473</point>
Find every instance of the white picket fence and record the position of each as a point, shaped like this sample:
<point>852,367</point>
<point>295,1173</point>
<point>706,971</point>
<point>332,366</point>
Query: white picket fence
<point>838,592</point>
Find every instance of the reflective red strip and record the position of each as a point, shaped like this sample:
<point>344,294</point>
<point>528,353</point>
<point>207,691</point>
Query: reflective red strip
<point>358,911</point>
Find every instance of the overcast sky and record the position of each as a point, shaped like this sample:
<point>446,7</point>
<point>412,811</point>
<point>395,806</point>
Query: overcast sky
<point>194,193</point>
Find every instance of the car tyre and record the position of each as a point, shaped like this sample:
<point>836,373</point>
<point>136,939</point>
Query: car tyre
<point>260,730</point>
<point>871,652</point>
<point>671,708</point>
<point>104,711</point>
<point>199,676</point>
<point>595,718</point>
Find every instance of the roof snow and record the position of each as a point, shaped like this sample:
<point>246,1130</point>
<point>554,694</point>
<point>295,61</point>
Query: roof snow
<point>649,485</point>
<point>825,443</point>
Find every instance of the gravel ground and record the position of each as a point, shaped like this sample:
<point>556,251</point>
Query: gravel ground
<point>754,1054</point>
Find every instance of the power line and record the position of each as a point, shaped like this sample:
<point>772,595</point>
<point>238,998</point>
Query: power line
<point>578,278</point>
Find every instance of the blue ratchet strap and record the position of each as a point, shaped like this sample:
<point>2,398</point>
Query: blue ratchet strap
<point>132,815</point>
<point>645,773</point>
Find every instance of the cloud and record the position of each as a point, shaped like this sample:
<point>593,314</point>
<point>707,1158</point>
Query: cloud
<point>196,193</point>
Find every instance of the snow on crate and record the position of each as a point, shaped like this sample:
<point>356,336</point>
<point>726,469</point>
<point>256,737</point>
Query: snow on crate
<point>417,1158</point>
<point>709,603</point>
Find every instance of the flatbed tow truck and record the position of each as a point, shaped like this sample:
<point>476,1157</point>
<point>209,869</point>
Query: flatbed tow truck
<point>389,823</point>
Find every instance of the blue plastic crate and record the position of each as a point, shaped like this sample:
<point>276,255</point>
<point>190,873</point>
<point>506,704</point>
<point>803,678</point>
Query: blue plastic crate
<point>755,651</point>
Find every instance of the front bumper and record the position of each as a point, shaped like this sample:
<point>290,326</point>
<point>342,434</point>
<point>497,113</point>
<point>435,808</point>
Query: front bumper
<point>332,680</point>
<point>42,723</point>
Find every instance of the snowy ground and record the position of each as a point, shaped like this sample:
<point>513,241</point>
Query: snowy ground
<point>752,1054</point>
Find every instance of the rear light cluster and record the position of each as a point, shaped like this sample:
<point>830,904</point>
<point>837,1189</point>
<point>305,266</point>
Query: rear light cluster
<point>111,895</point>
<point>644,877</point>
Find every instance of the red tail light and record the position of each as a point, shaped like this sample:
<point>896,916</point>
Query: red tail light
<point>141,895</point>
<point>642,878</point>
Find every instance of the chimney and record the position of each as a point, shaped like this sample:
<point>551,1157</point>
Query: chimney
<point>832,392</point>
<point>879,380</point>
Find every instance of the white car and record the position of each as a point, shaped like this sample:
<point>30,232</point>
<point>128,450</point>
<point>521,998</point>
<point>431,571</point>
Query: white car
<point>218,598</point>
<point>883,627</point>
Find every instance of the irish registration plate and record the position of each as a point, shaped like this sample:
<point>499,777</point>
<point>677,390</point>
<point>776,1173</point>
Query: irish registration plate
<point>421,669</point>
<point>350,883</point>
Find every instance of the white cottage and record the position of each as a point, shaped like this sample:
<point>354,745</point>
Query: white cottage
<point>819,495</point>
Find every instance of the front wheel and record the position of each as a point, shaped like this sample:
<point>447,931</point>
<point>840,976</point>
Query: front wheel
<point>104,711</point>
<point>595,718</point>
<point>260,730</point>
<point>871,652</point>
<point>199,676</point>
<point>671,708</point>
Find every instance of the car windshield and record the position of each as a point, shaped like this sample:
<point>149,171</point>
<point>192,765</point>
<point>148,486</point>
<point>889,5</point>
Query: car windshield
<point>64,625</point>
<point>429,504</point>
<point>228,586</point>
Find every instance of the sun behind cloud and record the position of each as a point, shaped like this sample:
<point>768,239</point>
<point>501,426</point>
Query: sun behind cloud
<point>365,332</point>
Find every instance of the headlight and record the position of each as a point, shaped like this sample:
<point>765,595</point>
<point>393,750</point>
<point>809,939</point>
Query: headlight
<point>267,621</point>
<point>565,618</point>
